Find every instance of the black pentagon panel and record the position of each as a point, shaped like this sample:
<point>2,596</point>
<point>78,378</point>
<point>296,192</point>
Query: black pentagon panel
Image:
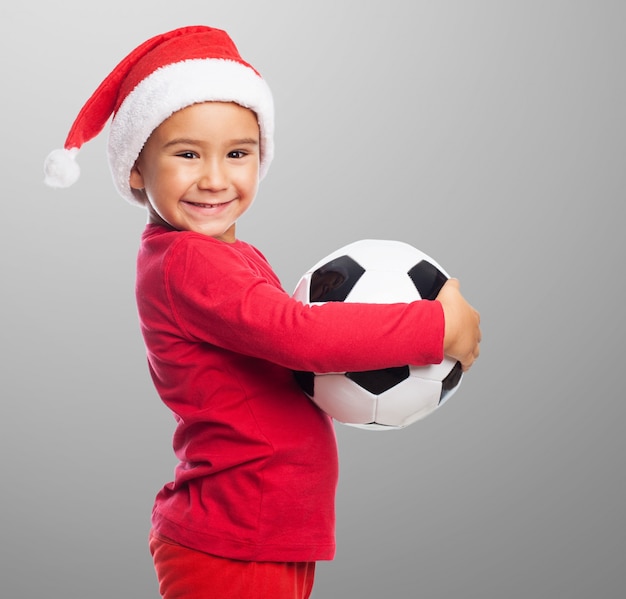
<point>306,380</point>
<point>334,281</point>
<point>453,378</point>
<point>379,381</point>
<point>428,279</point>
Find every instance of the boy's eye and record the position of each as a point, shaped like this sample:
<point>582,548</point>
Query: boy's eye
<point>187,155</point>
<point>236,154</point>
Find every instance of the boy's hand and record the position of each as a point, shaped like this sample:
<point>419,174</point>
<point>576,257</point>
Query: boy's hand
<point>462,325</point>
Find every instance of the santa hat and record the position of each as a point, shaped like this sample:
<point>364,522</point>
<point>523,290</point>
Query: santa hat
<point>164,74</point>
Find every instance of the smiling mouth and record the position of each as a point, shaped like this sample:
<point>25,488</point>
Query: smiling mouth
<point>206,205</point>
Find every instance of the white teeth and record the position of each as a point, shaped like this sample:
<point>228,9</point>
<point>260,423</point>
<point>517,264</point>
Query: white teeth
<point>203,205</point>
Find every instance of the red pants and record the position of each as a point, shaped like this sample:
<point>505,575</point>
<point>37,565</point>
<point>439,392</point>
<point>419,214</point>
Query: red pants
<point>188,574</point>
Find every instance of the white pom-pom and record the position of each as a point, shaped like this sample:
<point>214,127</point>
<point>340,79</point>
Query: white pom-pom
<point>61,168</point>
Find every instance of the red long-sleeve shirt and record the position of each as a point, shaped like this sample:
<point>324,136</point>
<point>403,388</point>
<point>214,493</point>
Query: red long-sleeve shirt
<point>257,468</point>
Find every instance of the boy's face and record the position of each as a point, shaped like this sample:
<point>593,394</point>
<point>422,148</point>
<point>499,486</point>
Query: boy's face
<point>200,168</point>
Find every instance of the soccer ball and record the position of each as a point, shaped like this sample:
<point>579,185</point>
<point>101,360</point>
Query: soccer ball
<point>377,271</point>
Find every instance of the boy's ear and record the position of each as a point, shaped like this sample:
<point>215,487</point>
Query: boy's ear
<point>136,178</point>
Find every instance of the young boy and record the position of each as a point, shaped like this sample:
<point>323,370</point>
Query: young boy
<point>251,507</point>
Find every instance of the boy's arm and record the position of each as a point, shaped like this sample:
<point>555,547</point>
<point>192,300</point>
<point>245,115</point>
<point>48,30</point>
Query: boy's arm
<point>228,305</point>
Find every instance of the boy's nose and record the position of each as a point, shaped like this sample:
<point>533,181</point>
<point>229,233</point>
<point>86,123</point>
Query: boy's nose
<point>212,177</point>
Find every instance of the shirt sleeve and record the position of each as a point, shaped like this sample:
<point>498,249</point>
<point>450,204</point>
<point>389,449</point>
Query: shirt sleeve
<point>217,296</point>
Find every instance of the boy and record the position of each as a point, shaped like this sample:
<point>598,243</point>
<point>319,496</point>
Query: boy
<point>251,507</point>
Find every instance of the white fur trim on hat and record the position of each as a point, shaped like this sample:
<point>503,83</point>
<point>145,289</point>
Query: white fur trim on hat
<point>176,86</point>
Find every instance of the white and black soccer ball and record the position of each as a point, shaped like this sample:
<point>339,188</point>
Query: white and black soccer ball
<point>377,271</point>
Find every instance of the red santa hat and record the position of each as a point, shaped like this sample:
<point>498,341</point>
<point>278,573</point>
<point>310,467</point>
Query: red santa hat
<point>164,74</point>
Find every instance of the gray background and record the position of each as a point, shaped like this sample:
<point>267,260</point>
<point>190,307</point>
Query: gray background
<point>489,134</point>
